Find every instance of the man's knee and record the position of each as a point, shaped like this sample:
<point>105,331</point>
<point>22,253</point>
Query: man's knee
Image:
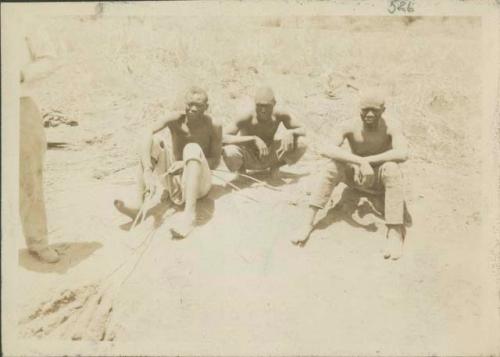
<point>298,152</point>
<point>390,171</point>
<point>334,168</point>
<point>232,157</point>
<point>192,151</point>
<point>331,175</point>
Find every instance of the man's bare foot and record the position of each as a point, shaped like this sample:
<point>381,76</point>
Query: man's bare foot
<point>47,255</point>
<point>128,211</point>
<point>387,249</point>
<point>274,173</point>
<point>302,236</point>
<point>394,244</point>
<point>275,176</point>
<point>181,228</point>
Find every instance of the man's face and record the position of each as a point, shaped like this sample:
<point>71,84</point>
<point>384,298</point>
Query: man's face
<point>371,115</point>
<point>196,105</point>
<point>264,110</point>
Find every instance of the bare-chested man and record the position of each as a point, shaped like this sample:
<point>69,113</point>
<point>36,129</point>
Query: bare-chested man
<point>377,147</point>
<point>250,142</point>
<point>179,152</point>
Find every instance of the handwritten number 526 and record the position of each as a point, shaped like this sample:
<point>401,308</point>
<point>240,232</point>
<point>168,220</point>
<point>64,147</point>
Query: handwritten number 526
<point>400,6</point>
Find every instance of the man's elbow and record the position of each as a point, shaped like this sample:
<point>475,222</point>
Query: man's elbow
<point>403,155</point>
<point>301,131</point>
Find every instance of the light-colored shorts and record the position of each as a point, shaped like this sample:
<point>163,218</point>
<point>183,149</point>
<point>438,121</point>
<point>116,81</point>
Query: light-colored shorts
<point>162,156</point>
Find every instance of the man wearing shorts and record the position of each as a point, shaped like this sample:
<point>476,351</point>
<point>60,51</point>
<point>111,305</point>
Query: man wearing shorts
<point>250,142</point>
<point>178,153</point>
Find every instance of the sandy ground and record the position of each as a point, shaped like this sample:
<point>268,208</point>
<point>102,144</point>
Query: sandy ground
<point>237,285</point>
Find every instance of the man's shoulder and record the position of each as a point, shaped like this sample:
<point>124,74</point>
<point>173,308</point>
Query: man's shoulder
<point>212,122</point>
<point>281,111</point>
<point>245,116</point>
<point>175,116</point>
<point>171,120</point>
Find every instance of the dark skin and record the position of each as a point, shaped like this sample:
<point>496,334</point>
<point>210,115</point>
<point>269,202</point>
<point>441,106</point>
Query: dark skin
<point>192,126</point>
<point>258,127</point>
<point>373,140</point>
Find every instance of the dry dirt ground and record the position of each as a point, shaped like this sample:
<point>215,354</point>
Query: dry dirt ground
<point>237,285</point>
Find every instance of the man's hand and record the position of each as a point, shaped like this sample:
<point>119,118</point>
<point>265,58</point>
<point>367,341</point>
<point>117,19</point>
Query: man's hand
<point>287,143</point>
<point>176,168</point>
<point>364,174</point>
<point>261,146</point>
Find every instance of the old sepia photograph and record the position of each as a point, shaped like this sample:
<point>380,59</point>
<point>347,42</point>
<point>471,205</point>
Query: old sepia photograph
<point>282,178</point>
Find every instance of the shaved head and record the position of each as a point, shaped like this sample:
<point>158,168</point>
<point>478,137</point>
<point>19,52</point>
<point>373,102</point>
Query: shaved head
<point>264,95</point>
<point>371,98</point>
<point>196,94</point>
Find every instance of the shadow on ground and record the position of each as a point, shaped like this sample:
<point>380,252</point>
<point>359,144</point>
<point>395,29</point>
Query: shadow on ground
<point>71,255</point>
<point>204,209</point>
<point>360,210</point>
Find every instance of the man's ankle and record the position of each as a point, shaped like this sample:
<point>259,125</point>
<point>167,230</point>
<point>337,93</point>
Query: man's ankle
<point>274,171</point>
<point>399,228</point>
<point>189,215</point>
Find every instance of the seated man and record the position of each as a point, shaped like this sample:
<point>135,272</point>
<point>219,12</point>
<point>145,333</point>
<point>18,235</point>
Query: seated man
<point>179,153</point>
<point>377,146</point>
<point>250,141</point>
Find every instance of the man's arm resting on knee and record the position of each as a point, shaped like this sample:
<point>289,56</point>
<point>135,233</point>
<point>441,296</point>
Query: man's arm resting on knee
<point>336,152</point>
<point>399,151</point>
<point>291,123</point>
<point>237,139</point>
<point>215,146</point>
<point>231,134</point>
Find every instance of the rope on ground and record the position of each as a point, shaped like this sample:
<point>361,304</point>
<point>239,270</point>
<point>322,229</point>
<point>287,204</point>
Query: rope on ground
<point>107,290</point>
<point>147,204</point>
<point>91,322</point>
<point>252,179</point>
<point>238,190</point>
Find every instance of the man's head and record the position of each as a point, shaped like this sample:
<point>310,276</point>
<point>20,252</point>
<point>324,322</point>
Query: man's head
<point>196,101</point>
<point>264,103</point>
<point>372,106</point>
